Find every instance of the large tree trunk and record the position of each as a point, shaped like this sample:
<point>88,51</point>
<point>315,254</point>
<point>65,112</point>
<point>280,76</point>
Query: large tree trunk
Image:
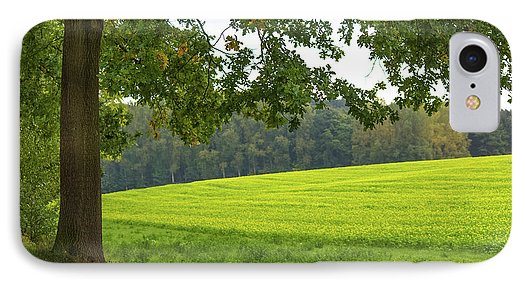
<point>79,234</point>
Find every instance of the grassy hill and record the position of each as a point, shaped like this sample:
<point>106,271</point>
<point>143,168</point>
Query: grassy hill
<point>458,210</point>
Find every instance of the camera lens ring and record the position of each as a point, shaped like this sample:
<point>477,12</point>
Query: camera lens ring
<point>473,58</point>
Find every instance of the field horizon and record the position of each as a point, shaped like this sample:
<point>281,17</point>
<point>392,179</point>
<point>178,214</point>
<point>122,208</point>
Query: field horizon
<point>438,210</point>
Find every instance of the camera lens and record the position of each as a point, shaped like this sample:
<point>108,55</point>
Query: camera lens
<point>473,58</point>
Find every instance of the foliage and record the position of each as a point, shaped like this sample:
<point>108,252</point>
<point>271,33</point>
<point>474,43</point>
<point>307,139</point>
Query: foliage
<point>39,130</point>
<point>414,55</point>
<point>114,117</point>
<point>167,68</point>
<point>194,86</point>
<point>458,209</point>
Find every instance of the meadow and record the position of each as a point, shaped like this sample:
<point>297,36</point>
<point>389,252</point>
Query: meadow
<point>442,210</point>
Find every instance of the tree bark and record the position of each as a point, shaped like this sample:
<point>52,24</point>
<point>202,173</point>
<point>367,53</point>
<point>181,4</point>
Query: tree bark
<point>79,234</point>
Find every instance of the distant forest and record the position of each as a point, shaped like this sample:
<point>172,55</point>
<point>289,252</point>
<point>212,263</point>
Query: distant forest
<point>326,138</point>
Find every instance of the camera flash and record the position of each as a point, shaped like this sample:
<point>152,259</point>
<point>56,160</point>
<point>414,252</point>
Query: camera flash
<point>473,102</point>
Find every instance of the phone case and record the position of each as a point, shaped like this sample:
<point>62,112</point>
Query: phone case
<point>255,140</point>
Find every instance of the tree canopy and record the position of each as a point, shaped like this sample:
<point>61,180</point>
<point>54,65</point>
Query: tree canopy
<point>193,85</point>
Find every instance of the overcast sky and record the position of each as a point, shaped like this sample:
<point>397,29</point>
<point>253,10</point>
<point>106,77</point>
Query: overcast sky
<point>355,66</point>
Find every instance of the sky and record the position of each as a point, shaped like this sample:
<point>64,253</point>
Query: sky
<point>355,66</point>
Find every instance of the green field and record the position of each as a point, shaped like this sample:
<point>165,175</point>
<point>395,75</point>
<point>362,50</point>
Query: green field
<point>453,210</point>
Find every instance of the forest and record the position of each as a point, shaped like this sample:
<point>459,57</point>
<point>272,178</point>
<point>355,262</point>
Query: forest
<point>326,138</point>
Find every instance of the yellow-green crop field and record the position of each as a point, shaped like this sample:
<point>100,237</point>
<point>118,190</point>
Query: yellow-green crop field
<point>445,210</point>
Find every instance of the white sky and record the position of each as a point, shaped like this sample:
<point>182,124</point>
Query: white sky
<point>355,66</point>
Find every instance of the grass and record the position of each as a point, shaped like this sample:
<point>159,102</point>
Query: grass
<point>445,210</point>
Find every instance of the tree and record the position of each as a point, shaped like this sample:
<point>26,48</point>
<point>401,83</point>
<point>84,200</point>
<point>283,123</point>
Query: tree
<point>412,136</point>
<point>303,149</point>
<point>280,157</point>
<point>40,87</point>
<point>193,87</point>
<point>226,142</point>
<point>447,143</point>
<point>175,164</point>
<point>79,233</point>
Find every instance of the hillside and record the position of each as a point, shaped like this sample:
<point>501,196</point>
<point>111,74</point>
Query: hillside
<point>457,209</point>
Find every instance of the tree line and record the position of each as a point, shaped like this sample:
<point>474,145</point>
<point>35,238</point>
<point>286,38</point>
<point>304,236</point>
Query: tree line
<point>326,138</point>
